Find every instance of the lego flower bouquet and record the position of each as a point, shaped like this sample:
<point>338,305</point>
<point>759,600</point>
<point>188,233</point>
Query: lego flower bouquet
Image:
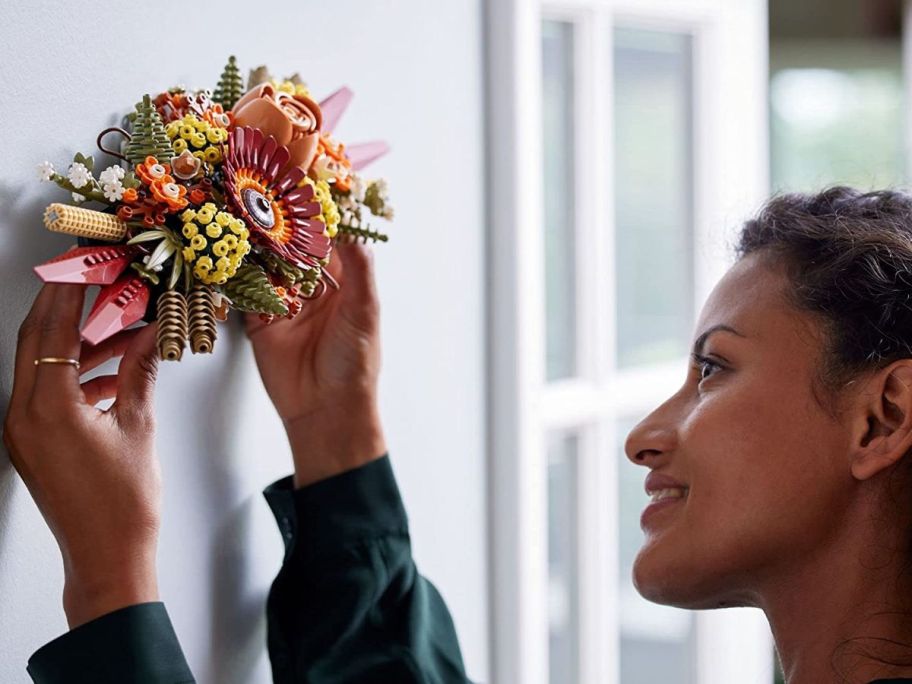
<point>220,199</point>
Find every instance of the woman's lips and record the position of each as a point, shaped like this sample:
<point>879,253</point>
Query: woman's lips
<point>667,501</point>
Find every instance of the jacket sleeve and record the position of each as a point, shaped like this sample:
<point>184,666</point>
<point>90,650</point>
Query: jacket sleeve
<point>133,644</point>
<point>348,605</point>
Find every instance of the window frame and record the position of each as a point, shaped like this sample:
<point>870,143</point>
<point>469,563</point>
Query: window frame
<point>731,178</point>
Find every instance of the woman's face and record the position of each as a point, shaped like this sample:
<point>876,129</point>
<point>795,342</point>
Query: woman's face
<point>763,463</point>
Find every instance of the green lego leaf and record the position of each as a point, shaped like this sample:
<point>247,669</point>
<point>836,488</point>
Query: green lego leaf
<point>148,137</point>
<point>250,290</point>
<point>89,162</point>
<point>130,181</point>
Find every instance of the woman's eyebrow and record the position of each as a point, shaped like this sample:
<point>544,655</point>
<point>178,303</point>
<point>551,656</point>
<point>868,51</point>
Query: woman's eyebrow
<point>701,340</point>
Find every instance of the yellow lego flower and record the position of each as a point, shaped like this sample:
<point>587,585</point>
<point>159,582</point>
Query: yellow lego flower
<point>217,259</point>
<point>206,213</point>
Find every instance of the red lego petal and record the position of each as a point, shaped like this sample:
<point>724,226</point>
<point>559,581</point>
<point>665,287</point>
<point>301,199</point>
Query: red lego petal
<point>87,265</point>
<point>117,307</point>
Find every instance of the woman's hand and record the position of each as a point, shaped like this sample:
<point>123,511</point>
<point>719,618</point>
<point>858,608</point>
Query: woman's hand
<point>93,474</point>
<point>321,369</point>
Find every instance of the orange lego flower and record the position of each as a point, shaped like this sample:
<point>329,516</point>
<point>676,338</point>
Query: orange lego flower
<point>151,170</point>
<point>168,192</point>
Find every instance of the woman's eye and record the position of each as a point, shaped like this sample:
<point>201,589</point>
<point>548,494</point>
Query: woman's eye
<point>703,364</point>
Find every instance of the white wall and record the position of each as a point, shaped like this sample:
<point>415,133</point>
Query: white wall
<point>67,71</point>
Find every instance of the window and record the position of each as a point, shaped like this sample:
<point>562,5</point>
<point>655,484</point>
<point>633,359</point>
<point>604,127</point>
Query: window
<point>615,153</point>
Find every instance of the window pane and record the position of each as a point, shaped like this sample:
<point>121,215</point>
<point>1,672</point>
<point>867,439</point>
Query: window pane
<point>657,642</point>
<point>653,194</point>
<point>563,656</point>
<point>558,197</point>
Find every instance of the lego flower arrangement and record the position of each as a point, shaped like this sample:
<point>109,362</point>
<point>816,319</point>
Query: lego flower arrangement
<point>219,199</point>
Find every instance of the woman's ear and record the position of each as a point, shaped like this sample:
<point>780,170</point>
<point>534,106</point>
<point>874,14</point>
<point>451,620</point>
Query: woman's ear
<point>882,423</point>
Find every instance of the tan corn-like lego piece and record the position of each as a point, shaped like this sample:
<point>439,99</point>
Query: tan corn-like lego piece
<point>172,325</point>
<point>87,223</point>
<point>201,305</point>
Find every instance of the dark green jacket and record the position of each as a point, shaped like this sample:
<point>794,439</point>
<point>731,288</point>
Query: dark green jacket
<point>348,605</point>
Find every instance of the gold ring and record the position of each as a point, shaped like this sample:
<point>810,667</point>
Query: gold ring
<point>57,359</point>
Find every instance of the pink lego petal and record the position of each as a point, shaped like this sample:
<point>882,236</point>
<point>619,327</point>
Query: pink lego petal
<point>333,107</point>
<point>365,153</point>
<point>87,265</point>
<point>117,307</point>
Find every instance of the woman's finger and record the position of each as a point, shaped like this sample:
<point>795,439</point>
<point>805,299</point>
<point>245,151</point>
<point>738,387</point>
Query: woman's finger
<point>92,356</point>
<point>136,377</point>
<point>58,383</point>
<point>27,348</point>
<point>99,388</point>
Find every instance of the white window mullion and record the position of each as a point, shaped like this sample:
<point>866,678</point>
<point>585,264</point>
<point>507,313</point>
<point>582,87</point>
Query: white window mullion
<point>602,642</point>
<point>517,495</point>
<point>599,635</point>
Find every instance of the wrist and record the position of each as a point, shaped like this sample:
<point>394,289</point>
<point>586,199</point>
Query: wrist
<point>89,595</point>
<point>337,437</point>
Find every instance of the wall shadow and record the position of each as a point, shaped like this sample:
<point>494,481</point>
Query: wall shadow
<point>238,625</point>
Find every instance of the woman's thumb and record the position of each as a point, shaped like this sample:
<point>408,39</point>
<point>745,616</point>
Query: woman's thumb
<point>136,375</point>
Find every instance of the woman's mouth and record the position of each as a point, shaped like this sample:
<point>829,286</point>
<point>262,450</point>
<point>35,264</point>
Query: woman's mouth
<point>660,500</point>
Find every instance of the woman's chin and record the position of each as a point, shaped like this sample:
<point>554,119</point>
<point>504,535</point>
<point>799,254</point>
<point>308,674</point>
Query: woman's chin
<point>667,581</point>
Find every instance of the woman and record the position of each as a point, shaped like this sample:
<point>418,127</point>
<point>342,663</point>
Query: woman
<point>778,465</point>
<point>781,463</point>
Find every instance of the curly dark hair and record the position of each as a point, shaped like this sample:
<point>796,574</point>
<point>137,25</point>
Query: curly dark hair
<point>848,257</point>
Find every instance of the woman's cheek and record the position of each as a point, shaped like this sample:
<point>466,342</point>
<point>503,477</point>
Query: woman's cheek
<point>693,556</point>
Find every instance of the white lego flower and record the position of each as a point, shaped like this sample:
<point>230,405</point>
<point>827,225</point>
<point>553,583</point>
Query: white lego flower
<point>45,170</point>
<point>358,188</point>
<point>78,198</point>
<point>113,191</point>
<point>111,175</point>
<point>79,175</point>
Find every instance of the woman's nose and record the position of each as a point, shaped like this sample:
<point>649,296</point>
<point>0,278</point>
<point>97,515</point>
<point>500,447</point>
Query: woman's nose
<point>653,438</point>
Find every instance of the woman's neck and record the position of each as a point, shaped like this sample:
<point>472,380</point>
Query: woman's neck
<point>842,615</point>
